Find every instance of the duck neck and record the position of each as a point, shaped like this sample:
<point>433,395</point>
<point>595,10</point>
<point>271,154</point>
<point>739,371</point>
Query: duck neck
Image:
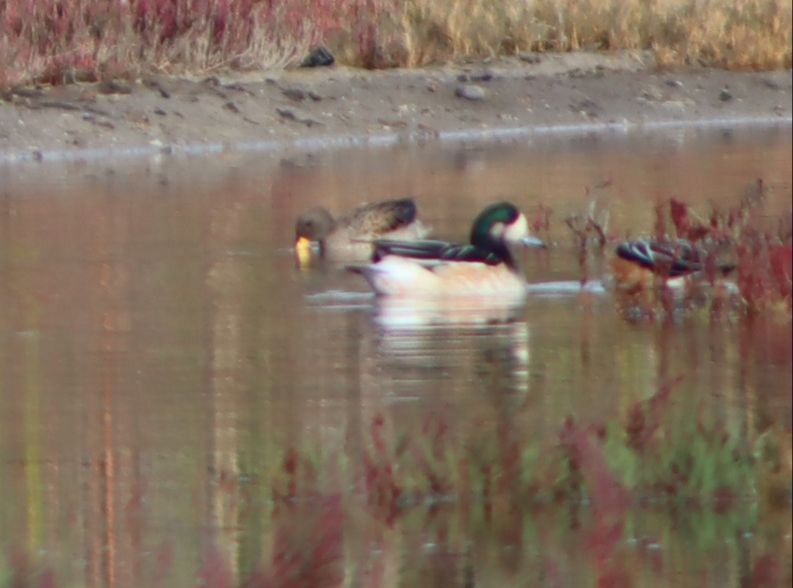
<point>485,241</point>
<point>327,226</point>
<point>504,253</point>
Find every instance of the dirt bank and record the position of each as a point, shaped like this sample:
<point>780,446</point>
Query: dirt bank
<point>309,108</point>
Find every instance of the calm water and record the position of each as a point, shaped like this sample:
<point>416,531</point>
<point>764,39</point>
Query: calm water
<point>160,352</point>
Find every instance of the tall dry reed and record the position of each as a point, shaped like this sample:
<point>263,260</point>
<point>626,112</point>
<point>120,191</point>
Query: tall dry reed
<point>738,34</point>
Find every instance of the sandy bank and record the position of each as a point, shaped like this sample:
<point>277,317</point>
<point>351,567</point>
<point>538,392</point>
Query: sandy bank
<point>315,108</point>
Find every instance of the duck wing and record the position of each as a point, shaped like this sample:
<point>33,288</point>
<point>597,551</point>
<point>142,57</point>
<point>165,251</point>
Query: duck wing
<point>673,258</point>
<point>433,251</point>
<point>380,218</point>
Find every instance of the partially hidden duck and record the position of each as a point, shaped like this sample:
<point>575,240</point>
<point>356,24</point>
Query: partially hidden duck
<point>641,263</point>
<point>350,238</point>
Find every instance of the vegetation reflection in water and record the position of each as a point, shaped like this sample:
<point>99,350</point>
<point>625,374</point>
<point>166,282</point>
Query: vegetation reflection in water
<point>163,425</point>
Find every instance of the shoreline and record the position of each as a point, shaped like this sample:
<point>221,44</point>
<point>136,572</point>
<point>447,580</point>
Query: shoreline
<point>445,138</point>
<point>329,108</point>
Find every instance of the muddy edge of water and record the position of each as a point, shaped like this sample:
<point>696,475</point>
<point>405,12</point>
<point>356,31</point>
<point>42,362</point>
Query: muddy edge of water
<point>317,109</point>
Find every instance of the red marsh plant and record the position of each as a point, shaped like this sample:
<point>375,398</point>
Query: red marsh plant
<point>22,573</point>
<point>60,41</point>
<point>613,464</point>
<point>398,471</point>
<point>609,498</point>
<point>590,228</point>
<point>763,253</point>
<point>490,469</point>
<point>379,478</point>
<point>700,464</point>
<point>308,547</point>
<point>215,569</point>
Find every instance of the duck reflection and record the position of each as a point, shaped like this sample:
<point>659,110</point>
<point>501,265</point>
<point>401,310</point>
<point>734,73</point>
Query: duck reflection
<point>415,346</point>
<point>395,314</point>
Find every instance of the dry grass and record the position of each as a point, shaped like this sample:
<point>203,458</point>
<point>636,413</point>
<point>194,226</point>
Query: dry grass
<point>736,34</point>
<point>66,40</point>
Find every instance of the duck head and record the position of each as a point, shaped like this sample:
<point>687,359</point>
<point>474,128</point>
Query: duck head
<point>500,226</point>
<point>312,227</point>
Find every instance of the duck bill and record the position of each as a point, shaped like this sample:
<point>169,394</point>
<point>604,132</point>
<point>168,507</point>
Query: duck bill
<point>303,251</point>
<point>533,242</point>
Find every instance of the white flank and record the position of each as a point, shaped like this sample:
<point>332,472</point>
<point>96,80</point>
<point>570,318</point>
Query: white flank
<point>398,276</point>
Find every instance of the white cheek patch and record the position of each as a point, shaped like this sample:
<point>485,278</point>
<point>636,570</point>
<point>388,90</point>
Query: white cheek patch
<point>497,231</point>
<point>517,230</point>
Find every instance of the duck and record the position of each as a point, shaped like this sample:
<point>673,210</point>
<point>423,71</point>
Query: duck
<point>640,264</point>
<point>428,269</point>
<point>350,237</point>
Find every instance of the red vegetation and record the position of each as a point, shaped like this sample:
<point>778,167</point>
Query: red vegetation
<point>685,226</point>
<point>780,258</point>
<point>163,560</point>
<point>764,270</point>
<point>540,219</point>
<point>739,237</point>
<point>610,502</point>
<point>312,559</point>
<point>215,570</point>
<point>434,430</point>
<point>68,40</point>
<point>383,491</point>
<point>645,417</point>
<point>23,575</point>
<point>308,548</point>
<point>585,456</point>
<point>765,573</point>
<point>589,228</point>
